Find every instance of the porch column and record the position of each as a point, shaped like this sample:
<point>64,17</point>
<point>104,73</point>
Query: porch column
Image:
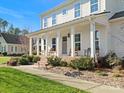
<point>42,45</point>
<point>30,46</point>
<point>58,43</point>
<point>46,51</point>
<point>72,42</point>
<point>92,38</point>
<point>37,46</point>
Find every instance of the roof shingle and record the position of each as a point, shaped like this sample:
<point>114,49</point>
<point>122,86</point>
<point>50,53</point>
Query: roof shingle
<point>117,15</point>
<point>14,39</point>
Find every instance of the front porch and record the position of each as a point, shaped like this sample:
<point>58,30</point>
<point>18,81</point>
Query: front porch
<point>79,38</point>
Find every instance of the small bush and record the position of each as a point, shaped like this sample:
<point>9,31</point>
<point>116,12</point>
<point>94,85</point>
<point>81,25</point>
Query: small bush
<point>54,61</point>
<point>63,63</point>
<point>109,61</point>
<point>24,61</point>
<point>84,63</point>
<point>35,59</point>
<point>122,63</point>
<point>30,58</point>
<point>34,53</point>
<point>13,62</point>
<point>4,53</point>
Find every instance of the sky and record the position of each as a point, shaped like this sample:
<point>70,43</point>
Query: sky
<point>26,13</point>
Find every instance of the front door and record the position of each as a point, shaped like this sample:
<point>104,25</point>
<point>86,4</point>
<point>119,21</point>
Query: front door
<point>64,45</point>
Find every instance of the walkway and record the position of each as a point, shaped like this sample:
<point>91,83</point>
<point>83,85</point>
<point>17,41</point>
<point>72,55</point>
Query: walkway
<point>77,83</point>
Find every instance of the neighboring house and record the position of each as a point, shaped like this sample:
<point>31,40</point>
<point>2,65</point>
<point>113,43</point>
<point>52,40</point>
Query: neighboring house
<point>81,27</point>
<point>13,44</point>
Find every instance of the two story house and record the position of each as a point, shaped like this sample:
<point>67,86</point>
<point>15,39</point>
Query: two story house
<point>80,28</point>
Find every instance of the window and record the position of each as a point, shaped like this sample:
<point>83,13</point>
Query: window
<point>77,42</point>
<point>54,44</point>
<point>64,12</point>
<point>4,48</point>
<point>39,40</point>
<point>77,10</point>
<point>45,22</point>
<point>44,44</point>
<point>15,49</point>
<point>53,19</point>
<point>97,40</point>
<point>94,5</point>
<point>11,48</point>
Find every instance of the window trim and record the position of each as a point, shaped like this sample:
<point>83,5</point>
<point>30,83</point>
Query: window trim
<point>78,10</point>
<point>54,44</point>
<point>54,19</point>
<point>97,40</point>
<point>45,23</point>
<point>64,12</point>
<point>77,42</point>
<point>92,4</point>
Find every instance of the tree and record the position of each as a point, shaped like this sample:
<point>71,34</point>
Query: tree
<point>11,29</point>
<point>24,32</point>
<point>17,31</point>
<point>3,25</point>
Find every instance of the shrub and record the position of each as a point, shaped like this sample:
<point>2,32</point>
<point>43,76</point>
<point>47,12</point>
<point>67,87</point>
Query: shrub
<point>34,53</point>
<point>63,63</point>
<point>4,53</point>
<point>35,59</point>
<point>30,58</point>
<point>122,63</point>
<point>109,61</point>
<point>13,62</point>
<point>23,61</point>
<point>54,61</point>
<point>84,63</point>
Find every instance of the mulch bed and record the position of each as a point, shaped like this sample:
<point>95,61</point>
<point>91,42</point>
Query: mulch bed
<point>107,78</point>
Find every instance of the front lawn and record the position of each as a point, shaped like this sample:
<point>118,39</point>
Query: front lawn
<point>14,81</point>
<point>4,59</point>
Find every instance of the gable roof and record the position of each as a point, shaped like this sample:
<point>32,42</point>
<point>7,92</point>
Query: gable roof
<point>117,15</point>
<point>14,39</point>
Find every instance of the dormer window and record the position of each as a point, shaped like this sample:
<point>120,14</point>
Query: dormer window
<point>77,10</point>
<point>45,22</point>
<point>64,12</point>
<point>94,5</point>
<point>53,19</point>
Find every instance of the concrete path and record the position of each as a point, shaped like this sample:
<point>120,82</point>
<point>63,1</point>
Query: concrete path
<point>77,83</point>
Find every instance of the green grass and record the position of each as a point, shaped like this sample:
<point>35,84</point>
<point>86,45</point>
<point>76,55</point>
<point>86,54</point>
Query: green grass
<point>14,81</point>
<point>4,59</point>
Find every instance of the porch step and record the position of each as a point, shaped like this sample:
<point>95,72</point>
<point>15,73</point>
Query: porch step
<point>42,63</point>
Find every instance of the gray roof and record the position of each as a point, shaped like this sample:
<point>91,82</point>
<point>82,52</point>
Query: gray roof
<point>117,15</point>
<point>13,39</point>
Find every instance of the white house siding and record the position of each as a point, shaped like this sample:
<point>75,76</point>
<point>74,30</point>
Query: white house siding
<point>85,11</point>
<point>117,29</point>
<point>3,45</point>
<point>20,49</point>
<point>114,6</point>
